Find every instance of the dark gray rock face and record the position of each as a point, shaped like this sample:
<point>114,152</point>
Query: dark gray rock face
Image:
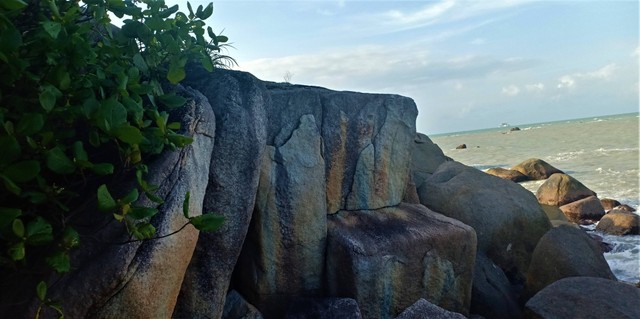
<point>236,307</point>
<point>424,309</point>
<point>327,308</point>
<point>238,100</point>
<point>142,279</point>
<point>426,156</point>
<point>506,217</point>
<point>492,295</point>
<point>585,297</point>
<point>387,258</point>
<point>565,252</point>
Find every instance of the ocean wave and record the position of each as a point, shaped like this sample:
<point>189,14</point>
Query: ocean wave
<point>612,150</point>
<point>566,156</point>
<point>623,258</point>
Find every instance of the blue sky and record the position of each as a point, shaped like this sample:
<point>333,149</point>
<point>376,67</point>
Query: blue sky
<point>467,64</point>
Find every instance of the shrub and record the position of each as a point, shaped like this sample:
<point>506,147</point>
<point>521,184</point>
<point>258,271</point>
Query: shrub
<point>80,101</point>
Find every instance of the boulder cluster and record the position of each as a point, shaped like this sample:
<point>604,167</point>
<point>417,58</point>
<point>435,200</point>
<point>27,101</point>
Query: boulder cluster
<point>336,208</point>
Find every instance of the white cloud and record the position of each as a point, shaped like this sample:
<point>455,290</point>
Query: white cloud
<point>636,52</point>
<point>511,90</point>
<point>536,87</point>
<point>605,73</point>
<point>424,16</point>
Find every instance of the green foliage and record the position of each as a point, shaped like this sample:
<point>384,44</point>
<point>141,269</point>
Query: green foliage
<point>80,101</point>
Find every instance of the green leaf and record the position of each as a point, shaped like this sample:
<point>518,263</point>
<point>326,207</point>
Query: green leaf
<point>102,168</point>
<point>79,152</point>
<point>128,134</point>
<point>30,123</point>
<point>146,231</point>
<point>174,126</point>
<point>48,96</point>
<point>208,11</point>
<point>110,115</point>
<point>10,149</point>
<point>207,222</point>
<point>176,73</point>
<point>141,212</point>
<point>10,185</point>
<point>18,228</point>
<point>39,232</point>
<point>8,215</point>
<point>105,200</point>
<point>16,251</point>
<point>131,197</point>
<point>166,13</point>
<point>59,162</point>
<point>140,63</point>
<point>180,140</point>
<point>172,100</point>
<point>52,28</point>
<point>185,205</point>
<point>70,238</point>
<point>222,39</point>
<point>153,197</point>
<point>41,290</point>
<point>59,262</point>
<point>22,172</point>
<point>207,64</point>
<point>210,33</point>
<point>13,4</point>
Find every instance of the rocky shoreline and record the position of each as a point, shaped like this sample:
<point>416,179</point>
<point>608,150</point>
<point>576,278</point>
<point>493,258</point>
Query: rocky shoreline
<point>336,208</point>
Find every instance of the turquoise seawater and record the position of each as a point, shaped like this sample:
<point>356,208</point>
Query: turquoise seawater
<point>602,153</point>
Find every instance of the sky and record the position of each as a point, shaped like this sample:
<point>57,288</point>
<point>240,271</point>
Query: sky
<point>467,64</point>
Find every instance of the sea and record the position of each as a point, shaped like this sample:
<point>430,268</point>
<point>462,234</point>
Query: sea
<point>601,152</point>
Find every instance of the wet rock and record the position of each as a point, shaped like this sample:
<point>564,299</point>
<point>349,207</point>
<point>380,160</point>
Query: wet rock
<point>387,258</point>
<point>608,203</point>
<point>514,129</point>
<point>585,297</point>
<point>507,174</point>
<point>626,208</point>
<point>583,209</point>
<point>461,146</point>
<point>536,169</point>
<point>619,222</point>
<point>565,252</point>
<point>423,309</point>
<point>561,189</point>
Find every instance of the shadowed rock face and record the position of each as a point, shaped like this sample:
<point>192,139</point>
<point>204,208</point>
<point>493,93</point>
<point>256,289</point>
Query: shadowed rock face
<point>141,279</point>
<point>507,218</point>
<point>536,169</point>
<point>585,297</point>
<point>387,258</point>
<point>238,100</point>
<point>565,252</point>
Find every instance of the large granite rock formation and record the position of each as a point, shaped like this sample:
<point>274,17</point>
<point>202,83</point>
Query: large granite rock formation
<point>387,258</point>
<point>238,100</point>
<point>112,279</point>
